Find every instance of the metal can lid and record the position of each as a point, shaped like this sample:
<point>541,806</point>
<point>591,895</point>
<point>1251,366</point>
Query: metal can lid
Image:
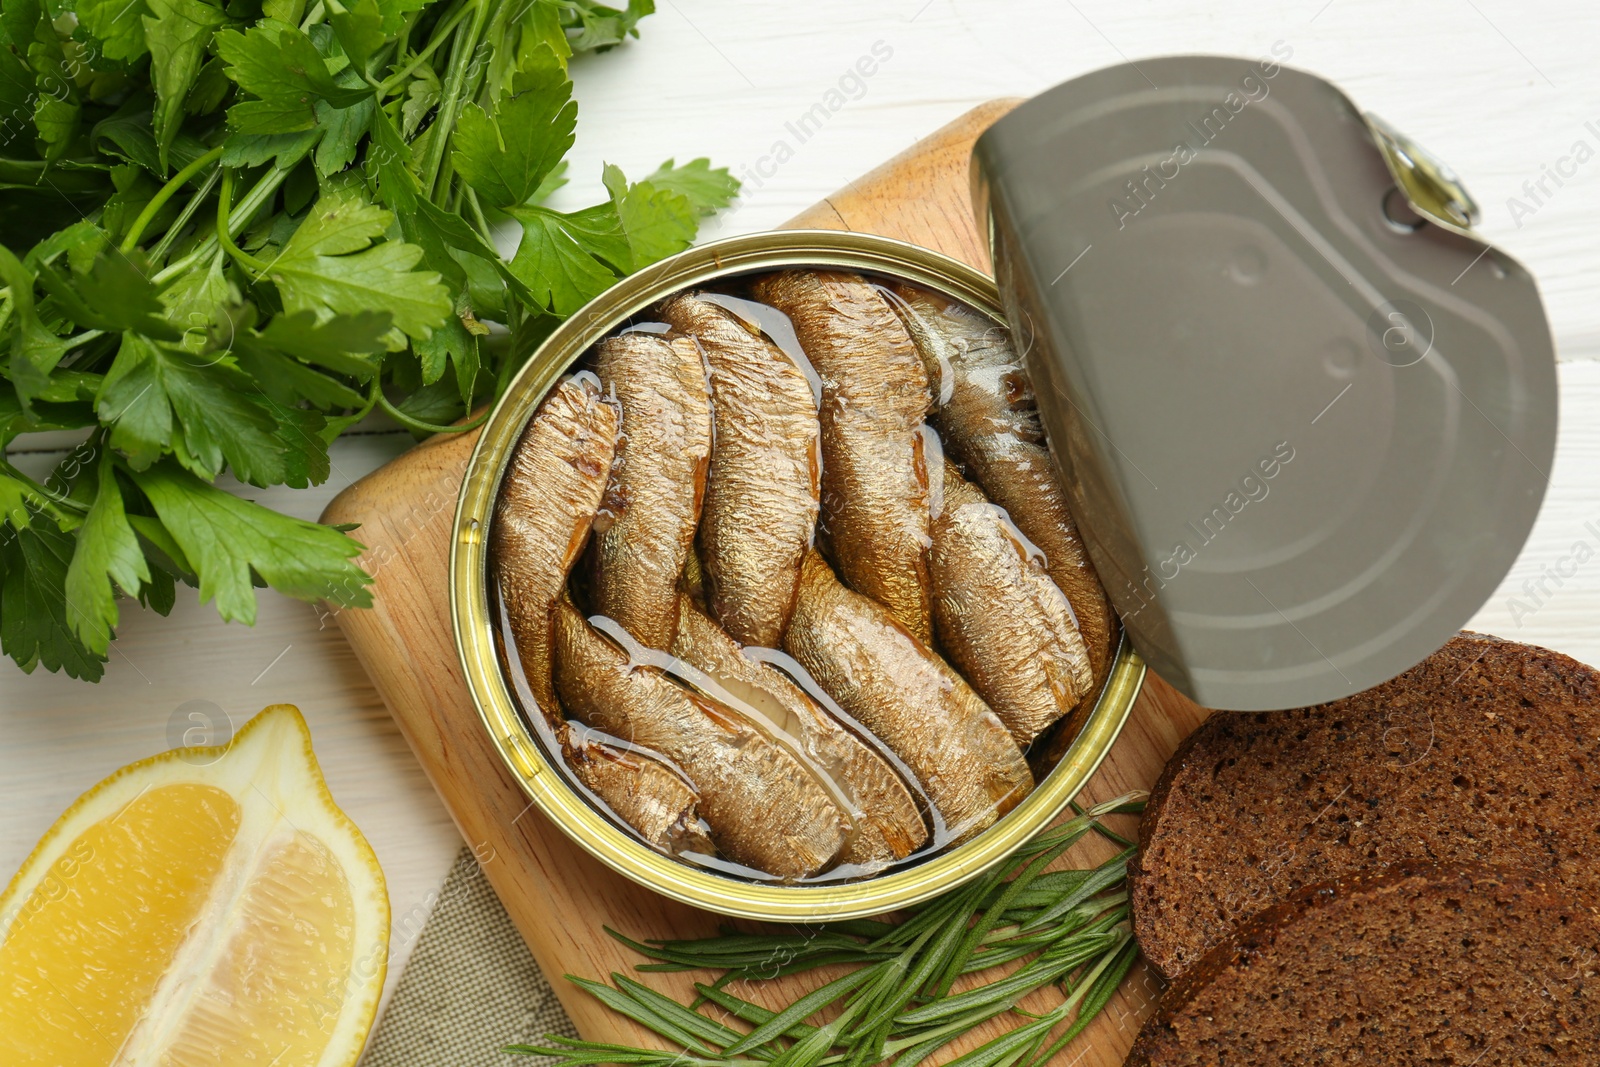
<point>1305,416</point>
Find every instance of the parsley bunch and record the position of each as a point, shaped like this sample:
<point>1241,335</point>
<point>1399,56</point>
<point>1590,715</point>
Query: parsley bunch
<point>229,229</point>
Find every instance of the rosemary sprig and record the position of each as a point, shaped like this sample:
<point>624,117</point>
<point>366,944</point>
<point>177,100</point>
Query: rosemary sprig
<point>1019,926</point>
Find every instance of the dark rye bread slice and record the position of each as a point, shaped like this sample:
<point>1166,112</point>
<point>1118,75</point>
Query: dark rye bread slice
<point>1486,752</point>
<point>1409,965</point>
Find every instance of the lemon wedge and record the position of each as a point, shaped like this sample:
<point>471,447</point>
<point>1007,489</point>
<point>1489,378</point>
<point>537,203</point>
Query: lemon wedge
<point>201,907</point>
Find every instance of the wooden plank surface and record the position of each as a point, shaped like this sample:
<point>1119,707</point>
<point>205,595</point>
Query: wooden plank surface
<point>557,894</point>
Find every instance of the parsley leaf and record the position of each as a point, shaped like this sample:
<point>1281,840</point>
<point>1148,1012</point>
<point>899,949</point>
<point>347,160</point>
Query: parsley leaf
<point>506,157</point>
<point>226,538</point>
<point>193,301</point>
<point>284,149</point>
<point>395,12</point>
<point>374,147</point>
<point>276,357</point>
<point>177,32</point>
<point>130,135</point>
<point>342,130</point>
<point>285,11</point>
<point>359,27</point>
<point>82,242</point>
<point>107,551</point>
<point>282,68</point>
<point>422,96</point>
<point>657,222</point>
<point>388,162</point>
<point>556,259</point>
<point>35,351</point>
<point>133,403</point>
<point>331,266</point>
<point>56,119</point>
<point>346,344</point>
<point>116,24</point>
<point>34,624</point>
<point>600,27</point>
<point>566,260</point>
<point>114,295</point>
<point>708,189</point>
<point>206,411</point>
<point>457,342</point>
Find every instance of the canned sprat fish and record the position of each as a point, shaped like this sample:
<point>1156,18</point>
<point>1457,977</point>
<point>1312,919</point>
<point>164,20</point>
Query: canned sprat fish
<point>765,588</point>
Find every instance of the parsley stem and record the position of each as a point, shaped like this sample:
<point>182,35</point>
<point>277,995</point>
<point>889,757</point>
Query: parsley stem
<point>83,338</point>
<point>165,193</point>
<point>32,173</point>
<point>338,424</point>
<point>402,42</point>
<point>249,204</point>
<point>477,214</point>
<point>177,225</point>
<point>440,33</point>
<point>461,54</point>
<point>224,205</point>
<point>51,495</point>
<point>418,425</point>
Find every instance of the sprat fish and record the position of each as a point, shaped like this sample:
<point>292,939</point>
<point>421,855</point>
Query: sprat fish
<point>765,809</point>
<point>989,422</point>
<point>874,397</point>
<point>646,525</point>
<point>1000,618</point>
<point>889,825</point>
<point>762,492</point>
<point>905,694</point>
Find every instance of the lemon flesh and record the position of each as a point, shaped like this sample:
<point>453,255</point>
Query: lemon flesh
<point>202,907</point>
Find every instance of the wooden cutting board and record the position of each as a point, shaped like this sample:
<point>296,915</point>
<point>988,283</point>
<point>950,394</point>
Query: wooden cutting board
<point>556,893</point>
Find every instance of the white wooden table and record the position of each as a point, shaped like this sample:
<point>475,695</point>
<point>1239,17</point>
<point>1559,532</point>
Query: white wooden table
<point>1503,90</point>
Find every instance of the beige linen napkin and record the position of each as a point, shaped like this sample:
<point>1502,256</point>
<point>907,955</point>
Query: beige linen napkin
<point>470,988</point>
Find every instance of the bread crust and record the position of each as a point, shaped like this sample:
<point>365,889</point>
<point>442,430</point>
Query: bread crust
<point>1443,763</point>
<point>1250,956</point>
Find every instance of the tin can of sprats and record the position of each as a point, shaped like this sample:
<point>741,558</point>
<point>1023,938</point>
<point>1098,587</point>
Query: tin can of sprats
<point>1074,747</point>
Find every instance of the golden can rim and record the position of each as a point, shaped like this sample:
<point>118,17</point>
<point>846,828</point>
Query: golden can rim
<point>545,786</point>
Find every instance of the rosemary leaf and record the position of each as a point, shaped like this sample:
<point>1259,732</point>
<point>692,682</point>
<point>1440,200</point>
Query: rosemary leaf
<point>1031,1035</point>
<point>1100,993</point>
<point>1036,975</point>
<point>804,1008</point>
<point>744,1009</point>
<point>1109,834</point>
<point>1046,888</point>
<point>708,1030</point>
<point>871,929</point>
<point>1008,1047</point>
<point>923,1043</point>
<point>576,1053</point>
<point>932,962</point>
<point>992,914</point>
<point>642,1014</point>
<point>1018,928</point>
<point>811,1049</point>
<point>1104,877</point>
